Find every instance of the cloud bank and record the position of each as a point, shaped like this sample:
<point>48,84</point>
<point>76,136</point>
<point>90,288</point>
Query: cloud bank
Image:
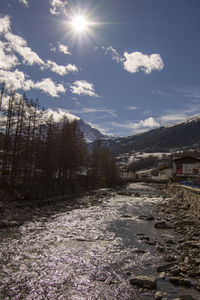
<point>138,127</point>
<point>136,61</point>
<point>12,48</point>
<point>82,87</point>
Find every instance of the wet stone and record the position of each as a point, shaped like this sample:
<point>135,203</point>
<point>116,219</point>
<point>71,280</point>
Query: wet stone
<point>147,218</point>
<point>162,275</point>
<point>148,282</point>
<point>139,251</point>
<point>174,279</point>
<point>186,297</point>
<point>165,267</point>
<point>163,225</point>
<point>159,295</point>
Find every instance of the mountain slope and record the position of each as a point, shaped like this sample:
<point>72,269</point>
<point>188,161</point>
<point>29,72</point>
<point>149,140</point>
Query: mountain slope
<point>178,136</point>
<point>90,133</point>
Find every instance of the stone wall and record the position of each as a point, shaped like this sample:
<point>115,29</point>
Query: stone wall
<point>187,195</point>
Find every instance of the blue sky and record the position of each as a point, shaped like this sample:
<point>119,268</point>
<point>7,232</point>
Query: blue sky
<point>135,67</point>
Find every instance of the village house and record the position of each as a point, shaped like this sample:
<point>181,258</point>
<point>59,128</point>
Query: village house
<point>126,174</point>
<point>186,168</point>
<point>157,174</point>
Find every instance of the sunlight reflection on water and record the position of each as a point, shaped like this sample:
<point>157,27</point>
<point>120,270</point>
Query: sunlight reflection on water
<point>82,254</point>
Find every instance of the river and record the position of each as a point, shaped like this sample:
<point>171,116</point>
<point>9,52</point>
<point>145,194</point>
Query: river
<point>84,253</point>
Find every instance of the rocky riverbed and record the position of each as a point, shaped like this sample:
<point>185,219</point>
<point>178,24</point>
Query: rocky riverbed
<point>134,243</point>
<point>181,253</point>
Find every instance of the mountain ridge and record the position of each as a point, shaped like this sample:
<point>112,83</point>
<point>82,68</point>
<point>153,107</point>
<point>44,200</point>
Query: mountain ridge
<point>178,136</point>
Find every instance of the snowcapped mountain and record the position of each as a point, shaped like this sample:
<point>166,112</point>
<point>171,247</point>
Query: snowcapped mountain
<point>90,133</point>
<point>174,137</point>
<point>188,120</point>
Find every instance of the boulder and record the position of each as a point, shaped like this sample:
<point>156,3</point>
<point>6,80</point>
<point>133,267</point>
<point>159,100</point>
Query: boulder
<point>190,244</point>
<point>158,295</point>
<point>174,279</point>
<point>148,282</point>
<point>148,218</point>
<point>186,297</point>
<point>180,281</point>
<point>163,225</point>
<point>165,267</point>
<point>162,275</point>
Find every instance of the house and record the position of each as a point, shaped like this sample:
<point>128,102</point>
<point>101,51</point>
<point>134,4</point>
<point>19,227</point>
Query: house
<point>157,174</point>
<point>126,174</point>
<point>144,174</point>
<point>186,168</point>
<point>163,173</point>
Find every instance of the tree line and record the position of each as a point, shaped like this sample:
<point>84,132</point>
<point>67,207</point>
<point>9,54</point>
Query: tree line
<point>39,155</point>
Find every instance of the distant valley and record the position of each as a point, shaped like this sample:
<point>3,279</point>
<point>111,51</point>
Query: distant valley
<point>183,135</point>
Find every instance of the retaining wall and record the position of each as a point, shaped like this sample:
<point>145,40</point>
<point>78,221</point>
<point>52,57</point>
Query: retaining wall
<point>189,196</point>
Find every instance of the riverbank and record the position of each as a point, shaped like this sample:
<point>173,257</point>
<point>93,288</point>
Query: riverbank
<point>180,212</point>
<point>135,241</point>
<point>14,212</point>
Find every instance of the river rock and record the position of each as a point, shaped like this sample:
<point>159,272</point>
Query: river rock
<point>190,244</point>
<point>174,279</point>
<point>170,242</point>
<point>180,281</point>
<point>163,225</point>
<point>185,282</point>
<point>126,216</point>
<point>165,267</point>
<point>148,282</point>
<point>197,261</point>
<point>186,297</point>
<point>185,223</point>
<point>147,218</point>
<point>159,295</point>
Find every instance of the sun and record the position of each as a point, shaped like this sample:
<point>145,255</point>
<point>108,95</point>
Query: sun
<point>80,23</point>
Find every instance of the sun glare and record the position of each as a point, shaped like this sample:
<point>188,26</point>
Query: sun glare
<point>80,23</point>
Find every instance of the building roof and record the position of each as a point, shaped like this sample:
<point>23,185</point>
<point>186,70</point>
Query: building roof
<point>196,158</point>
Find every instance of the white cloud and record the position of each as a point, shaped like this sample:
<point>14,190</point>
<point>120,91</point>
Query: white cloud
<point>25,2</point>
<point>136,61</point>
<point>4,24</point>
<point>82,87</point>
<point>16,80</point>
<point>7,61</point>
<point>86,110</point>
<point>64,49</point>
<point>115,55</point>
<point>71,68</point>
<point>176,115</point>
<point>16,43</point>
<point>172,117</point>
<point>150,122</point>
<point>48,86</point>
<point>19,45</point>
<point>137,127</point>
<point>61,70</point>
<point>58,7</point>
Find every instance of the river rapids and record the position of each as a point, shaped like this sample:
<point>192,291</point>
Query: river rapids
<point>84,253</point>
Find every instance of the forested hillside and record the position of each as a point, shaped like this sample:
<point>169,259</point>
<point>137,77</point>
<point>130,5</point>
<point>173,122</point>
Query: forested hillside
<point>39,155</point>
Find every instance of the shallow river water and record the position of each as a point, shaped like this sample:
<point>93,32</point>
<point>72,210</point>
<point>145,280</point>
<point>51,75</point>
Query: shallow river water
<point>85,253</point>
